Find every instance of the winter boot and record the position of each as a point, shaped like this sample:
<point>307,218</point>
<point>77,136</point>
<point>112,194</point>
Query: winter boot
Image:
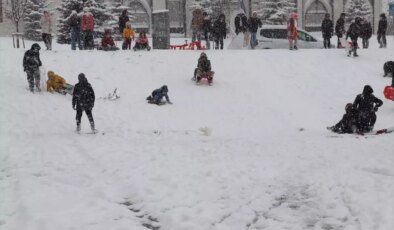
<point>78,130</point>
<point>92,127</point>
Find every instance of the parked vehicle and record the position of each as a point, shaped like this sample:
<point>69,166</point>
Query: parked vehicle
<point>276,37</point>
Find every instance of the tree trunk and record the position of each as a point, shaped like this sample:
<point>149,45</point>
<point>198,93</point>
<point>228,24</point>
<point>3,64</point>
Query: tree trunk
<point>17,31</point>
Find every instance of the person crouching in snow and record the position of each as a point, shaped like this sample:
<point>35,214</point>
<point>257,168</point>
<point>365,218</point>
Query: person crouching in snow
<point>128,36</point>
<point>157,96</point>
<point>142,42</point>
<point>107,42</point>
<point>31,64</point>
<point>348,123</point>
<point>203,69</point>
<point>367,105</point>
<point>58,84</point>
<point>83,100</point>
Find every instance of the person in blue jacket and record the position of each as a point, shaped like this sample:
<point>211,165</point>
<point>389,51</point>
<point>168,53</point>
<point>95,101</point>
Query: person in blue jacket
<point>157,96</point>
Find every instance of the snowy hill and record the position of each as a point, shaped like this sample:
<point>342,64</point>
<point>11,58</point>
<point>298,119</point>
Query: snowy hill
<point>269,162</point>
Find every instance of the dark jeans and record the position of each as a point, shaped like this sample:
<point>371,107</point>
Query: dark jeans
<point>327,42</point>
<point>339,41</point>
<point>47,38</point>
<point>382,40</point>
<point>206,36</point>
<point>75,37</point>
<point>219,40</point>
<point>88,113</point>
<point>88,42</point>
<point>365,43</point>
<point>33,78</point>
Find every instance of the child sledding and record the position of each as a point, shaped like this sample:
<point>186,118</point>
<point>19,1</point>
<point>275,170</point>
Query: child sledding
<point>141,43</point>
<point>157,96</point>
<point>107,42</point>
<point>360,117</point>
<point>203,70</point>
<point>56,83</point>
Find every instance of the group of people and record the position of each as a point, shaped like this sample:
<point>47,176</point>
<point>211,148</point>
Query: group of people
<point>359,28</point>
<point>203,27</point>
<point>128,34</point>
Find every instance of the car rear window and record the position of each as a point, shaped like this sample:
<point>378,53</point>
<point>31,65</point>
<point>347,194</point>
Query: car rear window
<point>274,33</point>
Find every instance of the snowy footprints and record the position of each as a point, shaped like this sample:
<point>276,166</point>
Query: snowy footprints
<point>147,220</point>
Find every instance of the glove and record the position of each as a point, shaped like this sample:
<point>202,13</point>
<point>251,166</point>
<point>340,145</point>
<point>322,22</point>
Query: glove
<point>74,107</point>
<point>375,109</point>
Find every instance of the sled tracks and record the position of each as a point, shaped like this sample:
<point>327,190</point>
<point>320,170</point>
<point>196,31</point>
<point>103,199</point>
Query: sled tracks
<point>147,220</point>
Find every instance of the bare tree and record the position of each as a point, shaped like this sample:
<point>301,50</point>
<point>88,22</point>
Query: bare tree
<point>17,12</point>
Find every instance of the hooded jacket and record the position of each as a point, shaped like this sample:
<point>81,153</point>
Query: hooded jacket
<point>55,82</point>
<point>367,102</point>
<point>219,27</point>
<point>83,96</point>
<point>340,27</point>
<point>382,27</point>
<point>31,59</point>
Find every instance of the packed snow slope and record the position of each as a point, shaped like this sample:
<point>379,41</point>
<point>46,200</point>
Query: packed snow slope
<point>269,162</point>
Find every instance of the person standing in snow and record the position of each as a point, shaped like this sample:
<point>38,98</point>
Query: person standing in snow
<point>197,24</point>
<point>366,33</point>
<point>340,29</point>
<point>123,19</point>
<point>348,123</point>
<point>367,105</point>
<point>74,22</point>
<point>327,29</point>
<point>83,100</point>
<point>128,36</point>
<point>207,28</point>
<point>46,29</point>
<point>31,64</point>
<point>254,24</point>
<point>382,28</point>
<point>292,31</point>
<point>354,32</point>
<point>87,27</point>
<point>219,31</point>
<point>157,96</point>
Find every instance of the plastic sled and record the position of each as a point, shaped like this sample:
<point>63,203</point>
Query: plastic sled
<point>202,79</point>
<point>389,93</point>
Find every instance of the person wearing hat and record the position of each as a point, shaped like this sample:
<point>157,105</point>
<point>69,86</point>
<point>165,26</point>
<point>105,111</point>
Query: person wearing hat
<point>157,96</point>
<point>327,29</point>
<point>340,29</point>
<point>46,29</point>
<point>31,64</point>
<point>203,69</point>
<point>254,24</point>
<point>367,105</point>
<point>292,31</point>
<point>354,32</point>
<point>348,123</point>
<point>382,28</point>
<point>83,100</point>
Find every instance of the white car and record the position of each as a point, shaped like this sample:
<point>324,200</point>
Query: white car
<point>275,37</point>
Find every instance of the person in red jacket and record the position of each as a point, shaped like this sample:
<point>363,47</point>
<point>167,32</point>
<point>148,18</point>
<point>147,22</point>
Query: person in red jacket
<point>87,27</point>
<point>107,42</point>
<point>292,31</point>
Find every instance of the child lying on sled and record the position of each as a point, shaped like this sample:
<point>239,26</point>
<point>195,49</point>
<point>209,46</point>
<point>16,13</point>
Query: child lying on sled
<point>58,84</point>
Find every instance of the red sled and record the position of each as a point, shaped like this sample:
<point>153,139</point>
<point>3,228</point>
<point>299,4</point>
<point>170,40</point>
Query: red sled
<point>204,78</point>
<point>389,93</point>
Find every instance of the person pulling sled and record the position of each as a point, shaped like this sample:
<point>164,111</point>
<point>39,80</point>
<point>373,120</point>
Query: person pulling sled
<point>157,96</point>
<point>203,70</point>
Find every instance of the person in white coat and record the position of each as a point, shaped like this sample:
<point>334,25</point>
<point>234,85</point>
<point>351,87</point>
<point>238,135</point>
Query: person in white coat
<point>46,29</point>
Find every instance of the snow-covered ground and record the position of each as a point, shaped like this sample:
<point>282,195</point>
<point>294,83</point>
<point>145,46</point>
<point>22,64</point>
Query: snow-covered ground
<point>269,162</point>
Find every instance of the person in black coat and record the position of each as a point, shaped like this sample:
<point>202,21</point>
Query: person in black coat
<point>207,28</point>
<point>327,29</point>
<point>340,29</point>
<point>366,33</point>
<point>254,24</point>
<point>382,28</point>
<point>31,64</point>
<point>388,69</point>
<point>219,31</point>
<point>83,100</point>
<point>367,104</point>
<point>354,32</point>
<point>122,21</point>
<point>348,123</point>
